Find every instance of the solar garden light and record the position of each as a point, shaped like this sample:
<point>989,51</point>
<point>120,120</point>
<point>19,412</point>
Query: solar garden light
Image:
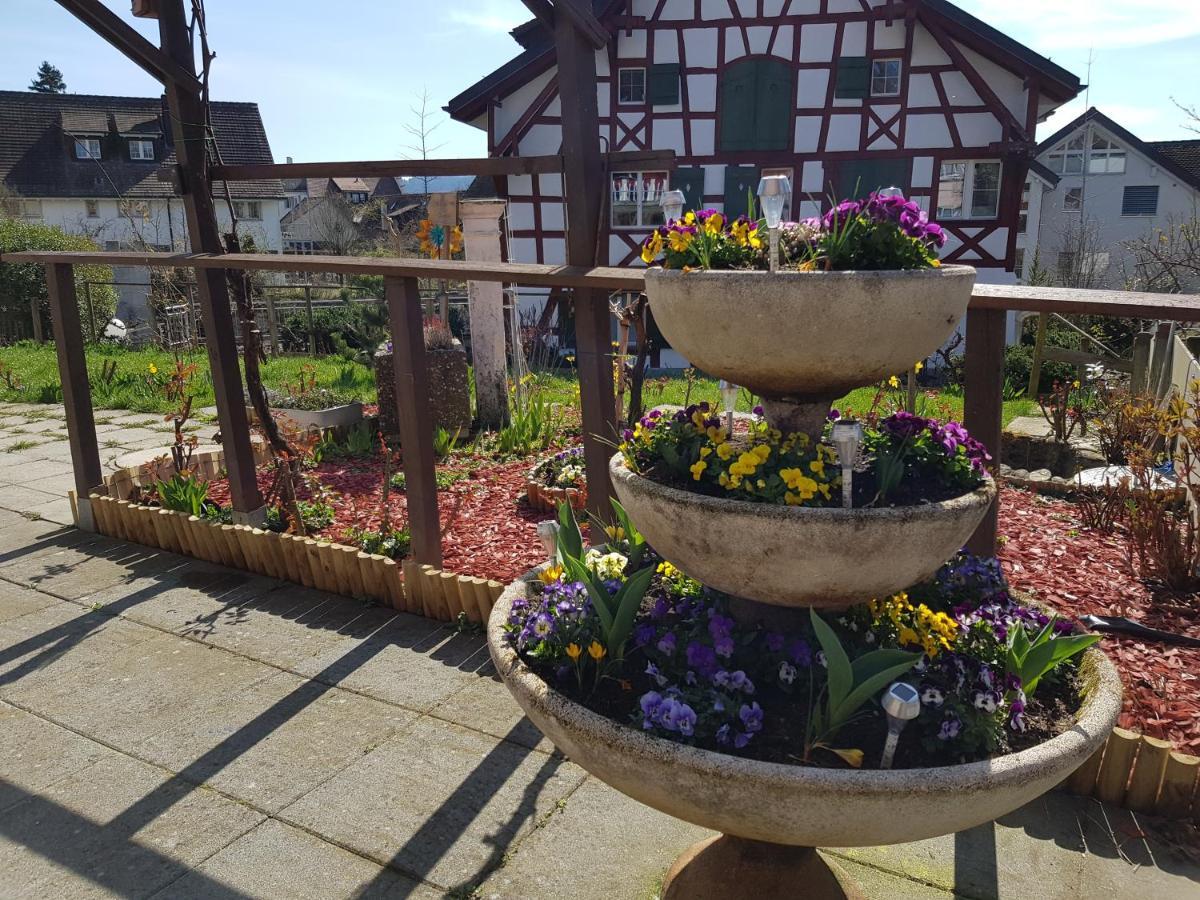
<point>672,205</point>
<point>547,533</point>
<point>773,191</point>
<point>847,435</point>
<point>729,395</point>
<point>902,704</point>
<point>890,192</point>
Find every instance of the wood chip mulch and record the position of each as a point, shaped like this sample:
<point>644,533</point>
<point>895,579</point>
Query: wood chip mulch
<point>1046,551</point>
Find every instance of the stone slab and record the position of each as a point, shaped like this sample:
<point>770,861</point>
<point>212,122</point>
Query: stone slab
<point>118,828</point>
<point>486,705</point>
<point>22,498</point>
<point>57,511</point>
<point>278,862</point>
<point>34,754</point>
<point>14,471</point>
<point>1030,426</point>
<point>276,741</point>
<point>438,803</point>
<point>16,601</point>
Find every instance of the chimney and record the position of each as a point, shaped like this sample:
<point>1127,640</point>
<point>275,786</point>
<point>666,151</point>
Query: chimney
<point>289,159</point>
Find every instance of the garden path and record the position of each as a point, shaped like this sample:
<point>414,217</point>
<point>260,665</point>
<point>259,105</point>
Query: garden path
<point>171,728</point>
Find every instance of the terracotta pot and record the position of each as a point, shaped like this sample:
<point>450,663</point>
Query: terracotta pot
<point>799,556</point>
<point>798,805</point>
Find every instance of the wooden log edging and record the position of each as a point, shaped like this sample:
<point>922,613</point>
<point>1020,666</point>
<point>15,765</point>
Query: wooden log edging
<point>312,562</point>
<point>546,499</point>
<point>1142,774</point>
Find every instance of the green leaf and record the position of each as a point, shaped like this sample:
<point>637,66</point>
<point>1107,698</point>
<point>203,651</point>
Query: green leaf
<point>867,689</point>
<point>600,598</point>
<point>628,602</point>
<point>840,675</point>
<point>570,541</point>
<point>1060,650</point>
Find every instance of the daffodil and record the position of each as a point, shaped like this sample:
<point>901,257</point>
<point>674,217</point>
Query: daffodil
<point>152,369</point>
<point>893,381</point>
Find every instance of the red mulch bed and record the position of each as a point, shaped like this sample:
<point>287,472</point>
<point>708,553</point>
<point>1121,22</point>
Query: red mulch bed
<point>1048,552</point>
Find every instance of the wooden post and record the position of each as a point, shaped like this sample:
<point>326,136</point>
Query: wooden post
<point>583,188</point>
<point>312,334</point>
<point>983,403</point>
<point>272,321</point>
<point>1039,356</point>
<point>36,313</point>
<point>1141,362</point>
<point>77,392</point>
<point>415,418</point>
<point>190,137</point>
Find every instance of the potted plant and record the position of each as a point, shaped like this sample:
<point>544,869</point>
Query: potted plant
<point>557,479</point>
<point>860,295</point>
<point>449,382</point>
<point>309,406</point>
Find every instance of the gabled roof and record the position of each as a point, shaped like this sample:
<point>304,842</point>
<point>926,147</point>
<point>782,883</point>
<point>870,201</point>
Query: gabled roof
<point>1045,173</point>
<point>1180,158</point>
<point>539,56</point>
<point>36,130</point>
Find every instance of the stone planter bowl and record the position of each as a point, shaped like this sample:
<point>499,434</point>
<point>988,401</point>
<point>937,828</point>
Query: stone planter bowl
<point>797,556</point>
<point>807,337</point>
<point>797,805</point>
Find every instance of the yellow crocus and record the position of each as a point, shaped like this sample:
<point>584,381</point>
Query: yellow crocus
<point>596,651</point>
<point>573,651</point>
<point>550,575</point>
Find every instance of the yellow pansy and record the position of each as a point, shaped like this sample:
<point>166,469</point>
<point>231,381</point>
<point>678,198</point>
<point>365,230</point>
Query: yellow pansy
<point>724,450</point>
<point>714,223</point>
<point>152,369</point>
<point>698,469</point>
<point>679,241</point>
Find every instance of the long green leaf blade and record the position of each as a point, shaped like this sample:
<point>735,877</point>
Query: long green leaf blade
<point>837,663</point>
<point>863,692</point>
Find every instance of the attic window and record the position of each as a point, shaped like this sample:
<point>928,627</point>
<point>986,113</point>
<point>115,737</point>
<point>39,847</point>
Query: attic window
<point>141,149</point>
<point>87,148</point>
<point>248,209</point>
<point>356,197</point>
<point>1106,157</point>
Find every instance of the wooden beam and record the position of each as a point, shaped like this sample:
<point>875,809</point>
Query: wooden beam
<point>542,11</point>
<point>1078,301</point>
<point>983,403</point>
<point>418,168</point>
<point>77,392</point>
<point>102,20</point>
<point>415,418</point>
<point>190,136</point>
<point>579,14</point>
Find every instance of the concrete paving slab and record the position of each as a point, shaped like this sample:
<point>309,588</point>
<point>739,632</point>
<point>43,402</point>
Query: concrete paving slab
<point>79,564</point>
<point>141,690</point>
<point>16,601</point>
<point>116,828</point>
<point>276,741</point>
<point>22,498</point>
<point>278,862</point>
<point>57,511</point>
<point>27,468</point>
<point>486,705</point>
<point>35,753</point>
<point>438,802</point>
<point>600,845</point>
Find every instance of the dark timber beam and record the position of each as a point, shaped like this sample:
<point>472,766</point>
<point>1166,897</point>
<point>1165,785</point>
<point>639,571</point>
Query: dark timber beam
<point>583,190</point>
<point>983,401</point>
<point>414,418</point>
<point>77,392</point>
<point>577,13</point>
<point>190,133</point>
<point>102,20</point>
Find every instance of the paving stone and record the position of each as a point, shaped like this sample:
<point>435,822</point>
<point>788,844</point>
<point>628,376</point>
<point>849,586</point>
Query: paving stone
<point>28,468</point>
<point>35,753</point>
<point>77,564</point>
<point>22,498</point>
<point>276,741</point>
<point>141,690</point>
<point>486,705</point>
<point>600,846</point>
<point>438,802</point>
<point>278,861</point>
<point>116,828</point>
<point>57,511</point>
<point>16,601</point>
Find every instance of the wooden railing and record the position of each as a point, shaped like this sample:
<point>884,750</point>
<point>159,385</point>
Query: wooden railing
<point>985,340</point>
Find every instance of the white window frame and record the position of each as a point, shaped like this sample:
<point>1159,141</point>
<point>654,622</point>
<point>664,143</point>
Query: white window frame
<point>249,210</point>
<point>1073,200</point>
<point>141,149</point>
<point>357,197</point>
<point>880,81</point>
<point>644,189</point>
<point>1019,263</point>
<point>299,248</point>
<point>966,211</point>
<point>87,148</point>
<point>1108,155</point>
<point>621,101</point>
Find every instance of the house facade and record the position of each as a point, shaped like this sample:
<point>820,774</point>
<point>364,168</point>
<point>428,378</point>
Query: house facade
<point>327,215</point>
<point>1111,188</point>
<point>843,96</point>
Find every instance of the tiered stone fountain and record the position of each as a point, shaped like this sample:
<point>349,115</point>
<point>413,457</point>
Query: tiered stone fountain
<point>799,340</point>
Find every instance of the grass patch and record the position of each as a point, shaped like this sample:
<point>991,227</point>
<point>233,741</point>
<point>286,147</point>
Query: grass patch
<point>20,445</point>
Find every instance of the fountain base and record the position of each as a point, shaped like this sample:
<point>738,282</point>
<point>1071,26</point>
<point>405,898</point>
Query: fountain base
<point>726,867</point>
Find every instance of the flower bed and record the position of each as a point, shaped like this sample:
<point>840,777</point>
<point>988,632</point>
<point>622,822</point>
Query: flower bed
<point>558,479</point>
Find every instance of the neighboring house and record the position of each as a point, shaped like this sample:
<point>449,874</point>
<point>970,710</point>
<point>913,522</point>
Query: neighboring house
<point>331,214</point>
<point>102,167</point>
<point>841,95</point>
<point>1112,188</point>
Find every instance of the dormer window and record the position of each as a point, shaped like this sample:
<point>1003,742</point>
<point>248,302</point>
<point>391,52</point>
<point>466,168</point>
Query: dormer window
<point>87,148</point>
<point>141,150</point>
<point>356,197</point>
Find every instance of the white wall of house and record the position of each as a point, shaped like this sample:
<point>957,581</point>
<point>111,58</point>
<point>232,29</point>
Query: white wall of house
<point>1100,200</point>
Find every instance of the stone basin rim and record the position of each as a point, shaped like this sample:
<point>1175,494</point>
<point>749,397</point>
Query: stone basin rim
<point>858,274</point>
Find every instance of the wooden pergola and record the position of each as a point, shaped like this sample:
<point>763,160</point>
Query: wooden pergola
<point>577,34</point>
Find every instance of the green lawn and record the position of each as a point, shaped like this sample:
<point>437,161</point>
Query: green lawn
<point>29,374</point>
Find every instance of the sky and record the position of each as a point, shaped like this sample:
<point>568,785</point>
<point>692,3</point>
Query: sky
<point>340,81</point>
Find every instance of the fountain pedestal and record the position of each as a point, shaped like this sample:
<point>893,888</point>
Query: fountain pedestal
<point>725,866</point>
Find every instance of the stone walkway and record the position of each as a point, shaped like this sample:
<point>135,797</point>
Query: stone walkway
<point>174,729</point>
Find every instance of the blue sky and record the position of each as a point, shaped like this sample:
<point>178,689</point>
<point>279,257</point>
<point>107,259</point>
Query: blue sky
<point>339,80</point>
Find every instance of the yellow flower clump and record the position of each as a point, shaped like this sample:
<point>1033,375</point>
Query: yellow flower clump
<point>915,626</point>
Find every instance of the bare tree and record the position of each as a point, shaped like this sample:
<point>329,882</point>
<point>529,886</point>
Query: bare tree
<point>330,222</point>
<point>420,132</point>
<point>1167,259</point>
<point>1082,256</point>
<point>1193,114</point>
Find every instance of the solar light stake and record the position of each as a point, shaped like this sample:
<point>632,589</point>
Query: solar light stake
<point>773,191</point>
<point>729,394</point>
<point>672,205</point>
<point>847,435</point>
<point>902,704</point>
<point>547,533</point>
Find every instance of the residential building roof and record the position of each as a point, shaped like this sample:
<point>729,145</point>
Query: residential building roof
<point>436,184</point>
<point>538,56</point>
<point>1180,158</point>
<point>37,132</point>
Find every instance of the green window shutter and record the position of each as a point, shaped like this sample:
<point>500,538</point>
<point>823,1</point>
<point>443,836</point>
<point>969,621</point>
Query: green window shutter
<point>858,177</point>
<point>773,114</point>
<point>690,180</point>
<point>738,91</point>
<point>853,78</point>
<point>664,84</point>
<point>741,183</point>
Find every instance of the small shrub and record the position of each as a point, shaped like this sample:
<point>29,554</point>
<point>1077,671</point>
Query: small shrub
<point>184,493</point>
<point>1100,508</point>
<point>315,515</point>
<point>394,543</point>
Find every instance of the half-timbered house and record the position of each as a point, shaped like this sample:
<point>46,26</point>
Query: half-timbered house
<point>844,96</point>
